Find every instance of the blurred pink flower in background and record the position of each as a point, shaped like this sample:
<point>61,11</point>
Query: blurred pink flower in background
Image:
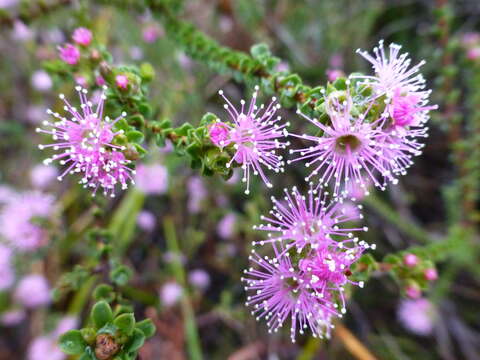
<point>196,194</point>
<point>81,80</point>
<point>21,32</point>
<point>199,278</point>
<point>41,81</point>
<point>7,275</point>
<point>151,33</point>
<point>417,316</point>
<point>16,217</point>
<point>82,36</point>
<point>334,74</point>
<point>226,226</point>
<point>282,66</point>
<point>42,175</point>
<point>69,53</point>
<point>99,80</point>
<point>12,317</point>
<point>43,348</point>
<point>151,179</point>
<point>35,114</point>
<point>413,291</point>
<point>8,3</point>
<point>136,53</point>
<point>170,293</point>
<point>336,61</point>
<point>225,23</point>
<point>33,291</point>
<point>473,53</point>
<point>146,220</point>
<point>65,324</point>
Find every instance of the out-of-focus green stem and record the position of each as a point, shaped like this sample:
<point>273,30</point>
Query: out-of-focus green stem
<point>310,349</point>
<point>123,221</point>
<point>193,342</point>
<point>393,217</point>
<point>81,297</point>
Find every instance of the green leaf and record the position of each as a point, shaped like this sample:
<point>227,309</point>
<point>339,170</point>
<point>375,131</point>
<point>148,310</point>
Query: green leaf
<point>72,343</point>
<point>104,292</point>
<point>135,136</point>
<point>147,327</point>
<point>121,275</point>
<point>260,50</point>
<point>101,314</point>
<point>125,323</point>
<point>89,335</point>
<point>136,341</point>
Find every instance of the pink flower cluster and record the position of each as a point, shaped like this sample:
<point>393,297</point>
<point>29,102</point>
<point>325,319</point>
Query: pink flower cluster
<point>85,142</point>
<point>255,134</point>
<point>314,249</point>
<point>70,53</point>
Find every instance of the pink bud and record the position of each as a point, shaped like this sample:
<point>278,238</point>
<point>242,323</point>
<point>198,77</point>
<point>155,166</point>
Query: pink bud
<point>218,132</point>
<point>413,291</point>
<point>410,260</point>
<point>333,74</point>
<point>82,36</point>
<point>70,54</point>
<point>121,81</point>
<point>431,274</point>
<point>100,81</point>
<point>81,80</point>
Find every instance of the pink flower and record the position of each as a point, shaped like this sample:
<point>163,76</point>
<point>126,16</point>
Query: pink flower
<point>85,145</point>
<point>430,274</point>
<point>256,135</point>
<point>81,80</point>
<point>42,175</point>
<point>21,32</point>
<point>170,293</point>
<point>146,220</point>
<point>219,134</point>
<point>278,292</point>
<point>82,36</point>
<point>351,150</point>
<point>41,81</point>
<point>407,109</point>
<point>417,316</point>
<point>199,278</point>
<point>410,260</point>
<point>33,291</point>
<point>70,54</point>
<point>65,324</point>
<point>309,222</point>
<point>392,70</point>
<point>121,81</point>
<point>152,179</point>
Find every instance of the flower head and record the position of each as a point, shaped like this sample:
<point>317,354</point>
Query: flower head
<point>279,292</point>
<point>255,134</point>
<point>85,144</point>
<point>82,36</point>
<point>7,275</point>
<point>310,222</point>
<point>42,175</point>
<point>70,54</point>
<point>313,257</point>
<point>219,134</point>
<point>392,70</point>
